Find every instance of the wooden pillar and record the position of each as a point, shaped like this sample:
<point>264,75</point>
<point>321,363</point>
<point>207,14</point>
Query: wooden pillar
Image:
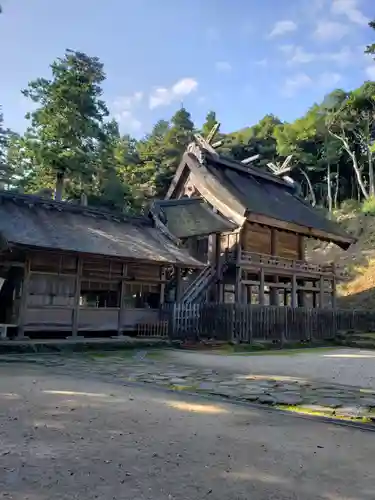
<point>23,302</point>
<point>162,285</point>
<point>294,301</point>
<point>333,287</point>
<point>285,298</point>
<point>301,294</point>
<point>178,283</point>
<point>77,295</point>
<point>121,312</point>
<point>249,294</point>
<point>261,287</point>
<point>238,290</point>
<point>321,292</point>
<point>314,297</point>
<point>274,293</point>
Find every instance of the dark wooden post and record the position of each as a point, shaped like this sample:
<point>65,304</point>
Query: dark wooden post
<point>77,295</point>
<point>121,312</point>
<point>321,292</point>
<point>294,301</point>
<point>178,283</point>
<point>238,289</point>
<point>162,285</point>
<point>261,287</point>
<point>23,302</point>
<point>333,292</point>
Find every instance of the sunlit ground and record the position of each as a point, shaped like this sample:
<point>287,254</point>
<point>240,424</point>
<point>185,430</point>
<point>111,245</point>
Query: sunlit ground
<point>196,408</point>
<point>368,355</point>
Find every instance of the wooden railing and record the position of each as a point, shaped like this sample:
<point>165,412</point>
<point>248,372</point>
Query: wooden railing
<point>270,261</point>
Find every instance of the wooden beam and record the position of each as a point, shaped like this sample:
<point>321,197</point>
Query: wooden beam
<point>213,132</point>
<point>250,159</point>
<point>217,144</point>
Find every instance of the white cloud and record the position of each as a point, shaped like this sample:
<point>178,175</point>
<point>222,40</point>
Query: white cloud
<point>262,62</point>
<point>123,109</point>
<point>297,55</point>
<point>350,9</point>
<point>165,96</point>
<point>283,27</point>
<point>223,66</point>
<point>128,102</point>
<point>295,83</point>
<point>128,122</point>
<point>370,72</point>
<point>327,31</point>
<point>343,57</point>
<point>329,79</point>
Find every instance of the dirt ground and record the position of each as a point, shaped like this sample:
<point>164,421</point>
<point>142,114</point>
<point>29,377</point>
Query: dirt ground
<point>355,367</point>
<point>76,437</point>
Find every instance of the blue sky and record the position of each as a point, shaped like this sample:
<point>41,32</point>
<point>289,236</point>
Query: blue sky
<point>243,58</point>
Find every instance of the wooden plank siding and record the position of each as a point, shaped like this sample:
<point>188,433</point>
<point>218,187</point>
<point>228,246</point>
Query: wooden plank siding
<point>52,297</point>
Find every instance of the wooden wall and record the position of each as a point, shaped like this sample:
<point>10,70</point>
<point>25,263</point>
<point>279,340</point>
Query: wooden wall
<point>55,283</point>
<point>270,241</point>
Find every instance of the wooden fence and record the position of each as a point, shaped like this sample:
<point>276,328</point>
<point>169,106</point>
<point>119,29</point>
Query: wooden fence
<point>249,323</point>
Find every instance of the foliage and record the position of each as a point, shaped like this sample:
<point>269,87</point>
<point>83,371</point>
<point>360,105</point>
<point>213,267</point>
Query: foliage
<point>68,121</point>
<point>368,206</point>
<point>71,143</point>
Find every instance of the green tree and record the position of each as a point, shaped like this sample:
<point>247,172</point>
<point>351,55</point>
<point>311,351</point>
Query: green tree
<point>68,121</point>
<point>371,48</point>
<point>353,125</point>
<point>8,177</point>
<point>210,122</point>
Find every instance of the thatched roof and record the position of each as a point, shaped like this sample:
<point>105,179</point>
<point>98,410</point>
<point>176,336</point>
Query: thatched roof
<point>241,192</point>
<point>188,217</point>
<point>30,221</point>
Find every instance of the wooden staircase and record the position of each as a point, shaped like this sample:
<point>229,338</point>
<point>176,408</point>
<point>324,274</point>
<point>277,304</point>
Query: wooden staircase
<point>198,288</point>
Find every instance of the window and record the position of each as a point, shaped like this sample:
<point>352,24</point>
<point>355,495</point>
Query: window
<point>141,296</point>
<point>100,295</point>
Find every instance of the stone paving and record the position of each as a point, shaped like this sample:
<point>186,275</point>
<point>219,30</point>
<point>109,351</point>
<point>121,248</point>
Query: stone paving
<point>283,391</point>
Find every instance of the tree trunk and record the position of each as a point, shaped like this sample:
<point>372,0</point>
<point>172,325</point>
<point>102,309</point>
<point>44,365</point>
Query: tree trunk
<point>337,187</point>
<point>356,167</point>
<point>367,140</point>
<point>311,189</point>
<point>59,186</point>
<point>329,187</point>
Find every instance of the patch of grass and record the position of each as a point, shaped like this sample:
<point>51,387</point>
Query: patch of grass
<point>233,350</point>
<point>368,206</point>
<point>328,413</point>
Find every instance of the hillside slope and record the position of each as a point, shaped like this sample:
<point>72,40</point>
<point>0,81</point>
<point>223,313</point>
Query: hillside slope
<point>356,288</point>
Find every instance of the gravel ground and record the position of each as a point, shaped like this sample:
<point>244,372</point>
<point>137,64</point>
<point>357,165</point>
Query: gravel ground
<point>74,437</point>
<point>354,367</point>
